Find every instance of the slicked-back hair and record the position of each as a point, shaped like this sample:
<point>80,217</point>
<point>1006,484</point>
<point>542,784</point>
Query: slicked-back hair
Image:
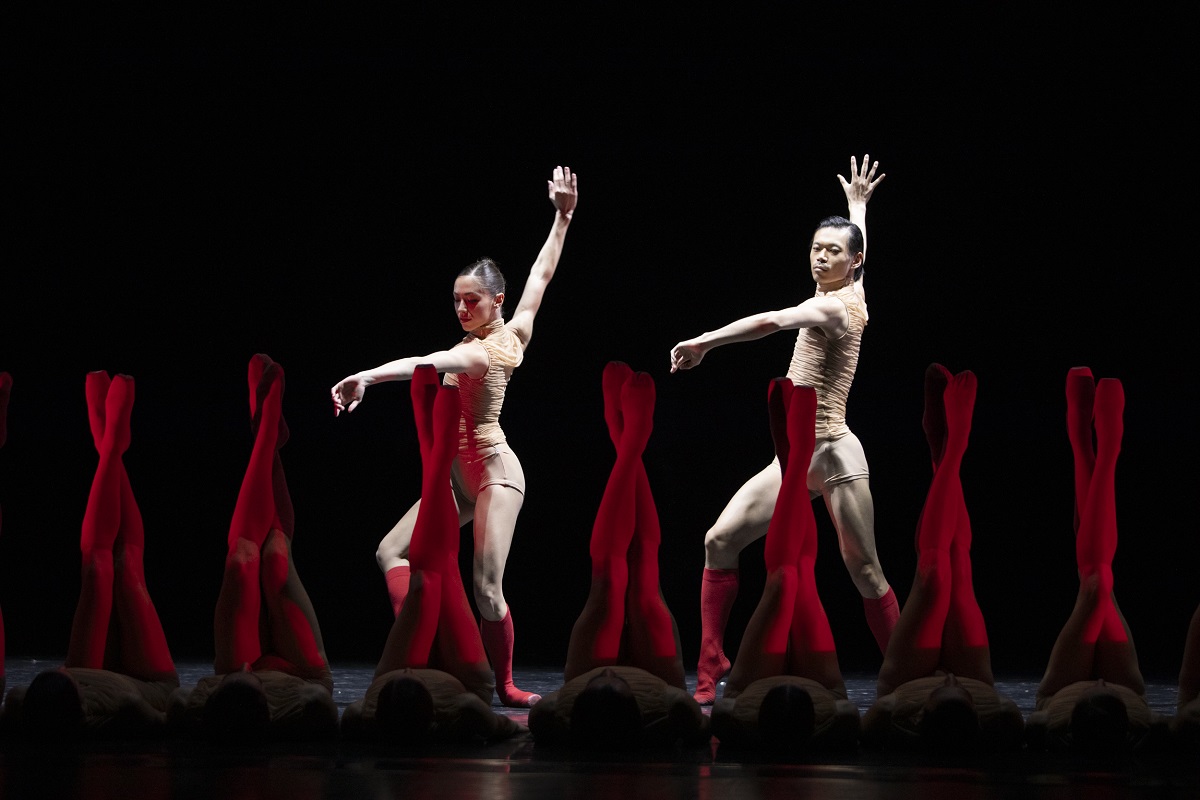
<point>856,241</point>
<point>489,276</point>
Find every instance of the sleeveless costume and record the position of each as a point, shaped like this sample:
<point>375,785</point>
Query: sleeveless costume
<point>484,458</point>
<point>828,366</point>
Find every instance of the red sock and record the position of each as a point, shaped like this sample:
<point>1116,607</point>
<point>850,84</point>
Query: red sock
<point>498,640</point>
<point>882,615</point>
<point>717,593</point>
<point>397,586</point>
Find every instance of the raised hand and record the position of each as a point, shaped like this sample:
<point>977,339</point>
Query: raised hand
<point>862,182</point>
<point>564,191</point>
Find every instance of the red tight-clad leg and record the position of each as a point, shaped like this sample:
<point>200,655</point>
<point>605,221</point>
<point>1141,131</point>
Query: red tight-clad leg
<point>236,621</point>
<point>612,531</point>
<point>139,648</point>
<point>436,610</point>
<point>1095,641</point>
<point>101,524</point>
<point>927,633</point>
<point>813,654</point>
<point>651,635</point>
<point>434,548</point>
<point>597,635</point>
<point>293,634</point>
<point>789,632</point>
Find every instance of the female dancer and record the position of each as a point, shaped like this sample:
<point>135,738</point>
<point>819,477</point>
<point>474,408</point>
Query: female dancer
<point>433,682</point>
<point>489,485</point>
<point>624,683</point>
<point>1092,697</point>
<point>118,675</point>
<point>830,328</point>
<point>272,678</point>
<point>785,691</point>
<point>936,687</point>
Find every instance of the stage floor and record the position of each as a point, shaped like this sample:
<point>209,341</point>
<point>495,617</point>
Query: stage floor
<point>516,769</point>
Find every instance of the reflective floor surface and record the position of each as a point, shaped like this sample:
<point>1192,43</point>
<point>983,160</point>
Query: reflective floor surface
<point>517,769</point>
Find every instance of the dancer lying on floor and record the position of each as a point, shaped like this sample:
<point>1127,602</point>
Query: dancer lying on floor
<point>623,683</point>
<point>935,687</point>
<point>1092,698</point>
<point>433,683</point>
<point>785,691</point>
<point>118,673</point>
<point>272,679</point>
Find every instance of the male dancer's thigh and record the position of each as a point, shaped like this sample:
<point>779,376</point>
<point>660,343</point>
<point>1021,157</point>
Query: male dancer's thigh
<point>840,474</point>
<point>744,519</point>
<point>836,461</point>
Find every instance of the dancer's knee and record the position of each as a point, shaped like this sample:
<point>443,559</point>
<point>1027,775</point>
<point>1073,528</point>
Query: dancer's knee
<point>868,576</point>
<point>489,599</point>
<point>1095,586</point>
<point>721,548</point>
<point>242,555</point>
<point>99,563</point>
<point>388,556</point>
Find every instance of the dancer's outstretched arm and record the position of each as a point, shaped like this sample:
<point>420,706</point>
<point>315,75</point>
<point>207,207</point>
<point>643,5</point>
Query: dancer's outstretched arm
<point>563,189</point>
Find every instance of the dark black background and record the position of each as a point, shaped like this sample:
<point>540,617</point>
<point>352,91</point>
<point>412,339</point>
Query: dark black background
<point>178,199</point>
